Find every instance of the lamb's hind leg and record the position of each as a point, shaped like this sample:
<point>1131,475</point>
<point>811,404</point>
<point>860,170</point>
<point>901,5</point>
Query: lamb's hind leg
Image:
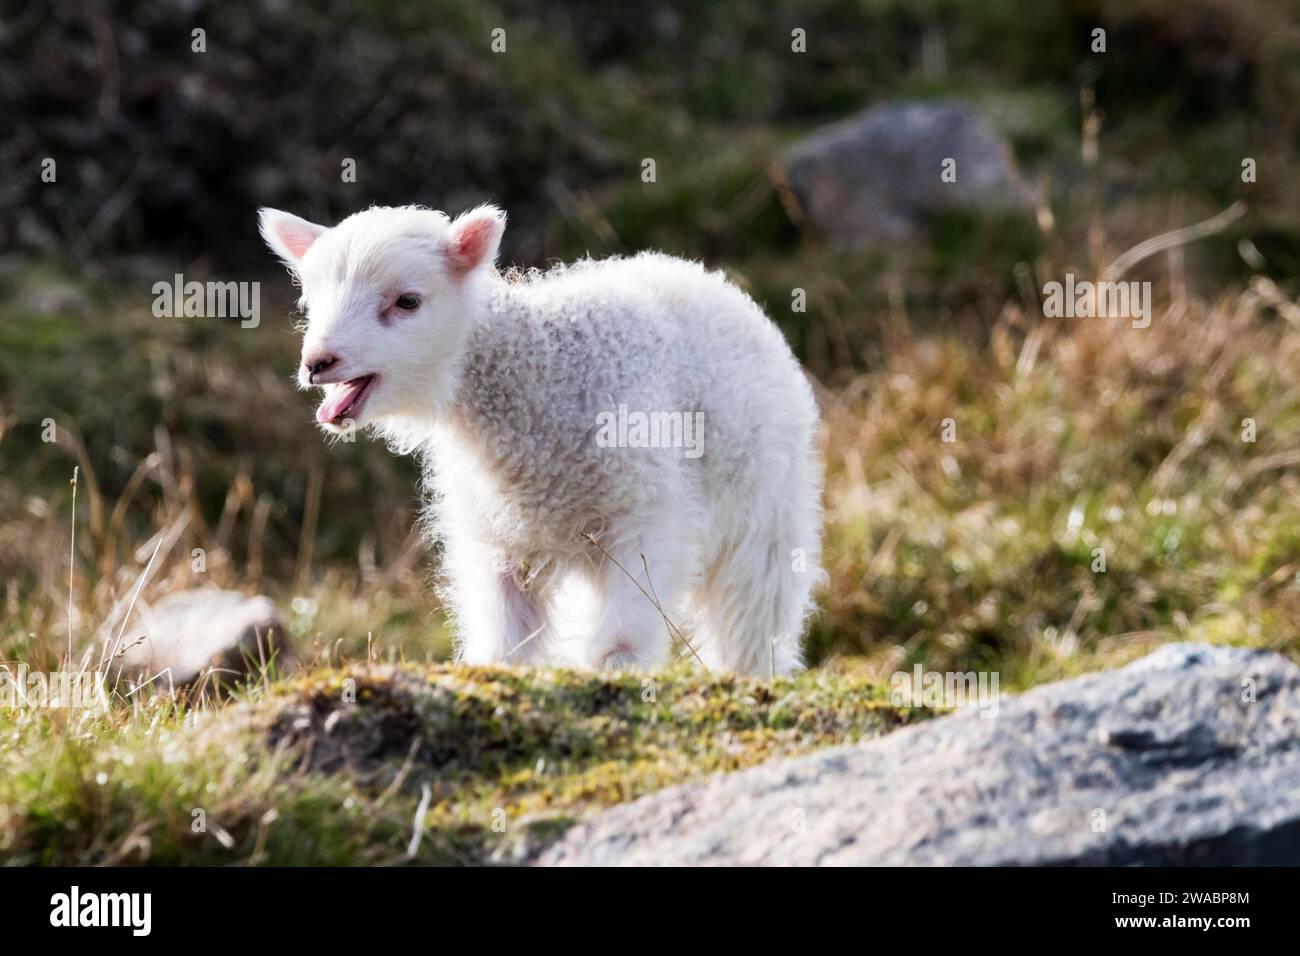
<point>751,605</point>
<point>497,620</point>
<point>633,573</point>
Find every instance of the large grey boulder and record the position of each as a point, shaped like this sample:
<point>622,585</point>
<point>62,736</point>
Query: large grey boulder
<point>198,633</point>
<point>1188,756</point>
<point>877,177</point>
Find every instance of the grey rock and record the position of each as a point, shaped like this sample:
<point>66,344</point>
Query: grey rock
<point>1189,756</point>
<point>191,633</point>
<point>1186,655</point>
<point>876,177</point>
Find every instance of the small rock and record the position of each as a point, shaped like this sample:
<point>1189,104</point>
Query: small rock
<point>877,177</point>
<point>188,634</point>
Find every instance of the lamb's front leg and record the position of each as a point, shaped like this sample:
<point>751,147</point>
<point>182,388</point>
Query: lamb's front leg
<point>631,577</point>
<point>497,620</point>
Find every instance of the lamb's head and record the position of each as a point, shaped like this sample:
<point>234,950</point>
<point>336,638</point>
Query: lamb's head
<point>391,295</point>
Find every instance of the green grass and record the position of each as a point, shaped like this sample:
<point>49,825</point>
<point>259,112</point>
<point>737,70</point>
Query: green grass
<point>330,767</point>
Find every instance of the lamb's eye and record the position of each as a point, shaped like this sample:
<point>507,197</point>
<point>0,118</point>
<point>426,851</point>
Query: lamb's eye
<point>408,302</point>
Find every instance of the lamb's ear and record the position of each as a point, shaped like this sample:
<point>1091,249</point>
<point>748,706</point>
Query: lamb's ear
<point>474,239</point>
<point>288,235</point>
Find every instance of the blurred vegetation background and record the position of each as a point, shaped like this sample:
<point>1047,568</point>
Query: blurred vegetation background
<point>1072,436</point>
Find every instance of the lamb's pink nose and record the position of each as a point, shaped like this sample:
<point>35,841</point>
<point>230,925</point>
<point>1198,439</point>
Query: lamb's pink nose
<point>314,365</point>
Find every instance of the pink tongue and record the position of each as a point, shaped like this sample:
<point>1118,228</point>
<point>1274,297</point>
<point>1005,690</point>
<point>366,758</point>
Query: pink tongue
<point>337,400</point>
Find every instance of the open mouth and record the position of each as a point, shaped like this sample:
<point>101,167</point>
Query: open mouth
<point>344,400</point>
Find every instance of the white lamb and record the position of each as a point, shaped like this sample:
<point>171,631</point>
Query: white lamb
<point>634,430</point>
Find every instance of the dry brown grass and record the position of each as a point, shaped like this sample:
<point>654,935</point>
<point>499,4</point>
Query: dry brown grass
<point>1071,435</point>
